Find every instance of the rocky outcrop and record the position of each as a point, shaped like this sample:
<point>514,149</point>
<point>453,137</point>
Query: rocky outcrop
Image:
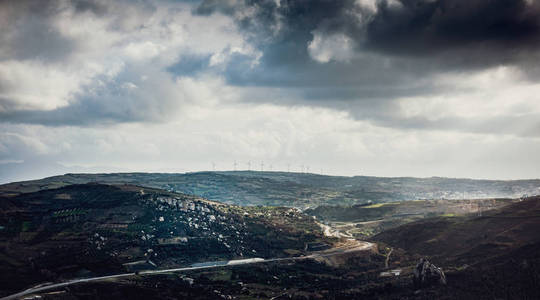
<point>426,274</point>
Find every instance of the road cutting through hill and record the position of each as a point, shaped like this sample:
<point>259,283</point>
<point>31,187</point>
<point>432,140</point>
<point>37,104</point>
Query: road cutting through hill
<point>348,247</point>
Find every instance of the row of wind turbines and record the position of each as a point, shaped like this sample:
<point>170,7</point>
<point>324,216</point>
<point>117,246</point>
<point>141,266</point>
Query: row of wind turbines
<point>301,168</point>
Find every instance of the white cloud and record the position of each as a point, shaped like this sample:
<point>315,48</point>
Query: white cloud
<point>320,138</point>
<point>324,48</point>
<point>108,48</point>
<point>485,95</point>
<point>140,117</point>
<point>35,85</point>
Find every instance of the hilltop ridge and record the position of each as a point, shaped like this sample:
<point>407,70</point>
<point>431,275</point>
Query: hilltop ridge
<point>302,190</point>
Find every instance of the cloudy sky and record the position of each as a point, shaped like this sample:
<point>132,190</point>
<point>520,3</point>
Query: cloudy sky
<point>364,87</point>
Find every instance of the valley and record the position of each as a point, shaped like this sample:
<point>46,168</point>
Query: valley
<point>74,238</point>
<point>364,221</point>
<point>269,150</point>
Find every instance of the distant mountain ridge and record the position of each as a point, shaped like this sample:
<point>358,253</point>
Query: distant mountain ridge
<point>300,190</point>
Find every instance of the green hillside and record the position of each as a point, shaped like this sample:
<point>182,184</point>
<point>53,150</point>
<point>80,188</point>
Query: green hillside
<point>302,190</point>
<point>93,229</point>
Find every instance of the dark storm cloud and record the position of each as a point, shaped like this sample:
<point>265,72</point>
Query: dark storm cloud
<point>421,27</point>
<point>401,27</point>
<point>398,48</point>
<point>302,71</point>
<point>410,37</point>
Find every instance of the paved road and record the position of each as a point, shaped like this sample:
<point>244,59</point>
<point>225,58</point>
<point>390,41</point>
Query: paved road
<point>353,246</point>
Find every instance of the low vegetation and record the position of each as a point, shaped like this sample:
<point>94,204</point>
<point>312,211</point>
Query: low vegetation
<point>363,221</point>
<point>99,228</point>
<point>301,190</point>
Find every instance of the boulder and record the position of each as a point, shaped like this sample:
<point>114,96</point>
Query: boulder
<point>426,274</point>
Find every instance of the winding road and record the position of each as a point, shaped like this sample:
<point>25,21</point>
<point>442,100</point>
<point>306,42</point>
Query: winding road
<point>351,246</point>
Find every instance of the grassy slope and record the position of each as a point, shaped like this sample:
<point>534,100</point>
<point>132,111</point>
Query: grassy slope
<point>495,231</point>
<point>362,221</point>
<point>79,230</point>
<point>493,256</point>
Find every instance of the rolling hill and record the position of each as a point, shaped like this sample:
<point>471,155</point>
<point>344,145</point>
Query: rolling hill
<point>492,256</point>
<point>465,237</point>
<point>86,230</point>
<point>301,190</point>
<point>52,230</point>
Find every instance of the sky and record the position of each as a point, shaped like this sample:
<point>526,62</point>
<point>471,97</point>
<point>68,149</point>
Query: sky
<point>365,87</point>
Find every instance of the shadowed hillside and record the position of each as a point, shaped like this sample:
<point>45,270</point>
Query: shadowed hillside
<point>465,237</point>
<point>493,256</point>
<point>94,229</point>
